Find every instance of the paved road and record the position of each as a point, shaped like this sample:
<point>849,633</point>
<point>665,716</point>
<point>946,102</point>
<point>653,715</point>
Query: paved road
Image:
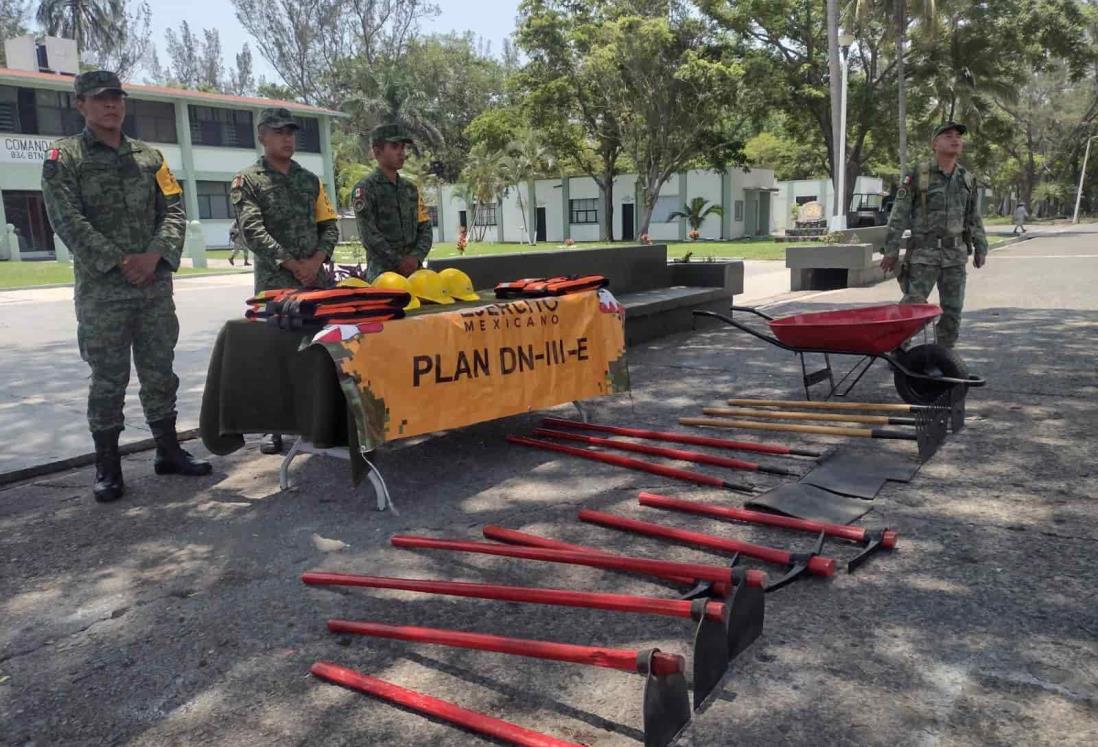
<point>44,390</point>
<point>176,616</point>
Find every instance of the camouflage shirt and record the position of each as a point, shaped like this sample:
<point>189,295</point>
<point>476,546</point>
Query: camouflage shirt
<point>948,212</point>
<point>283,216</point>
<point>105,203</point>
<point>393,222</point>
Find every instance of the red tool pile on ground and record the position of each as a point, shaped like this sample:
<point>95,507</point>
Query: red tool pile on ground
<point>724,601</point>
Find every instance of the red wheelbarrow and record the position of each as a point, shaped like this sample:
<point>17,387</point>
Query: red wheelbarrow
<point>923,374</point>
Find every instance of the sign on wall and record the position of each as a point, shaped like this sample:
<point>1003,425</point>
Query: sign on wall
<point>28,149</point>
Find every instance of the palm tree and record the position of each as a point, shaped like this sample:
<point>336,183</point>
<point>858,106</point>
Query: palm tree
<point>696,212</point>
<point>87,21</point>
<point>394,101</point>
<point>897,11</point>
<point>483,182</point>
<point>529,159</point>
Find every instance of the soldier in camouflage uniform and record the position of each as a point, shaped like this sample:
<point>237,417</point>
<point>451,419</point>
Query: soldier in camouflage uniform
<point>116,205</point>
<point>937,201</point>
<point>285,218</point>
<point>393,223</point>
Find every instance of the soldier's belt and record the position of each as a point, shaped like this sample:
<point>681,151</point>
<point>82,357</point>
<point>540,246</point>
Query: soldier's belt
<point>940,242</point>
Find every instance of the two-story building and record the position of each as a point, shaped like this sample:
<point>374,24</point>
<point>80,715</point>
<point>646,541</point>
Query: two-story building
<point>205,137</point>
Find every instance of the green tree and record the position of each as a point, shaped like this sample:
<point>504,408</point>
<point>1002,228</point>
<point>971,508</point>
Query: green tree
<point>528,158</point>
<point>129,47</point>
<point>13,21</point>
<point>88,22</point>
<point>696,211</point>
<point>484,181</point>
<point>570,96</point>
<point>786,156</point>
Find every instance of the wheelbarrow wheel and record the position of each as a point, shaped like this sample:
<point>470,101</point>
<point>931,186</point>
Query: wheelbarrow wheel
<point>930,360</point>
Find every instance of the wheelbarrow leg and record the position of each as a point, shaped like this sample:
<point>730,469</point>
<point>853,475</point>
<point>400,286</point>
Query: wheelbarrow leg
<point>809,379</point>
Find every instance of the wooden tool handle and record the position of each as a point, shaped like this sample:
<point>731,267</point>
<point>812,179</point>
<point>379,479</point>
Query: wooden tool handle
<point>811,405</point>
<point>822,430</point>
<point>782,415</point>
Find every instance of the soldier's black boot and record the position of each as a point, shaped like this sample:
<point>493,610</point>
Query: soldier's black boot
<point>171,459</point>
<point>108,466</point>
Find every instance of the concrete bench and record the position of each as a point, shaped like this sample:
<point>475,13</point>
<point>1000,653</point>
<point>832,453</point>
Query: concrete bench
<point>832,266</point>
<point>658,296</point>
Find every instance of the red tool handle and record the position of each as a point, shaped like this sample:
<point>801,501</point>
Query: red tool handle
<point>441,709</point>
<point>559,597</point>
<point>841,531</point>
<point>817,565</point>
<point>595,656</point>
<point>636,464</point>
<point>510,536</point>
<point>695,571</point>
<point>682,438</point>
<point>680,454</point>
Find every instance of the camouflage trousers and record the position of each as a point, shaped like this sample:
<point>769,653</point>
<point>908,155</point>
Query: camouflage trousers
<point>918,283</point>
<point>107,332</point>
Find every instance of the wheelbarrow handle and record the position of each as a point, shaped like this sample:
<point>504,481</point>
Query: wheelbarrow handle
<point>751,310</point>
<point>743,327</point>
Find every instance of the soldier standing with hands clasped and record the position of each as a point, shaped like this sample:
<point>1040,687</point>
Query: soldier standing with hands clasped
<point>284,217</point>
<point>937,201</point>
<point>116,205</point>
<point>393,223</point>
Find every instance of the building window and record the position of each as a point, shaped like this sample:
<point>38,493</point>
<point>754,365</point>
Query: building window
<point>583,211</point>
<point>225,128</point>
<point>661,211</point>
<point>308,134</point>
<point>150,120</point>
<point>803,199</point>
<point>9,110</point>
<point>56,113</point>
<point>213,201</point>
<point>433,212</point>
<point>739,211</point>
<point>486,215</point>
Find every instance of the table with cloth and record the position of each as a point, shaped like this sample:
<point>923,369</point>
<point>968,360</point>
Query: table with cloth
<point>439,368</point>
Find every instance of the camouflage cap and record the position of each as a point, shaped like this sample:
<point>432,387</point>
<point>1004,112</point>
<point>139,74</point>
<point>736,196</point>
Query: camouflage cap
<point>97,82</point>
<point>947,126</point>
<point>390,133</point>
<point>277,117</point>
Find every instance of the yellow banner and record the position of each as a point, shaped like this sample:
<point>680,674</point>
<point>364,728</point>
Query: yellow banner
<point>445,370</point>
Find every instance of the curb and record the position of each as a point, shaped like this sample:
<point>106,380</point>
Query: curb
<point>175,278</point>
<point>83,460</point>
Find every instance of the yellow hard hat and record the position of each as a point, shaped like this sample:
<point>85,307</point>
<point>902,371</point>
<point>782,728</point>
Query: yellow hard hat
<point>459,284</point>
<point>427,284</point>
<point>397,282</point>
<point>352,283</point>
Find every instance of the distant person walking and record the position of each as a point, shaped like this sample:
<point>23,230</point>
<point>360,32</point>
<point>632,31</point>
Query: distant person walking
<point>1020,215</point>
<point>238,244</point>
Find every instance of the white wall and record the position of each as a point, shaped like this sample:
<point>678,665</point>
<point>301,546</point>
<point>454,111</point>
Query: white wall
<point>216,233</point>
<point>225,160</point>
<point>705,184</point>
<point>820,189</point>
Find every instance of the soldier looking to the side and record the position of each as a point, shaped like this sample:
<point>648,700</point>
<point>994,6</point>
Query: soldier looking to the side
<point>115,204</point>
<point>393,223</point>
<point>285,218</point>
<point>937,201</point>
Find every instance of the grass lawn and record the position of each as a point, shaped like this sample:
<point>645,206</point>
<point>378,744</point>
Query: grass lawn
<point>350,253</point>
<point>27,274</point>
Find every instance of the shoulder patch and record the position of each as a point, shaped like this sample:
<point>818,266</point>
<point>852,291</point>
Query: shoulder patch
<point>907,179</point>
<point>323,209</point>
<point>358,198</point>
<point>165,179</point>
<point>423,216</point>
<point>49,166</point>
<point>238,181</point>
<point>902,192</point>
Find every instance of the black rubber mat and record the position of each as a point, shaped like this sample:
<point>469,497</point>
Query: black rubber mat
<point>810,502</point>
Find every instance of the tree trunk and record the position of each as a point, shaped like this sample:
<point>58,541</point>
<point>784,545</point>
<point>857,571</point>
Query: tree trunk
<point>522,210</point>
<point>606,190</point>
<point>835,74</point>
<point>901,80</point>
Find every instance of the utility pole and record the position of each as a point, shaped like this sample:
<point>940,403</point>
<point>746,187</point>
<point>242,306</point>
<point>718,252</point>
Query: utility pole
<point>834,74</point>
<point>1082,176</point>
